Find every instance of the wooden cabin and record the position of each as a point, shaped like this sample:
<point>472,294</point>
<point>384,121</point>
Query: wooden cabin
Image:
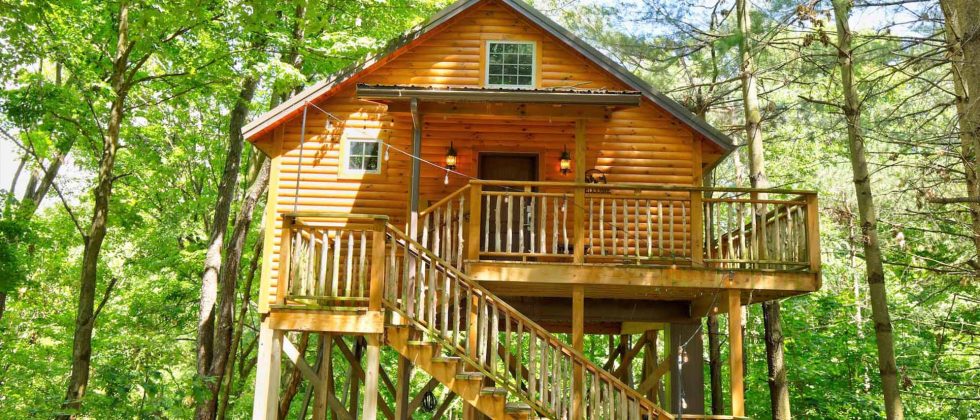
<point>482,195</point>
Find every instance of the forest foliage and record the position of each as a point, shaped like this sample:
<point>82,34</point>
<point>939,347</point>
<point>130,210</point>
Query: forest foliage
<point>188,62</point>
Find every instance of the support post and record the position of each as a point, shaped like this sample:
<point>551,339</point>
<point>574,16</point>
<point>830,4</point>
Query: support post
<point>735,365</point>
<point>371,375</point>
<point>687,368</point>
<point>578,213</point>
<point>578,342</point>
<point>377,266</point>
<point>476,207</point>
<point>402,392</point>
<point>285,252</point>
<point>320,389</point>
<point>267,373</point>
<point>813,233</point>
<point>697,229</point>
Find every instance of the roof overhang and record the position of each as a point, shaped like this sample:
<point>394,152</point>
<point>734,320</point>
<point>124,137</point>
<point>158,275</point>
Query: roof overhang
<point>539,96</point>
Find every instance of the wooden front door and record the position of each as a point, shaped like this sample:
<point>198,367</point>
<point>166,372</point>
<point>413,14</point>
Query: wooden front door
<point>507,167</point>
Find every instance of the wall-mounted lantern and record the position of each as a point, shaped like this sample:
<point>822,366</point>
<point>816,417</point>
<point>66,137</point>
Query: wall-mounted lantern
<point>566,161</point>
<point>451,158</point>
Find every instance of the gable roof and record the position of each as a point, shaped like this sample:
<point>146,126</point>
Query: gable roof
<point>294,105</point>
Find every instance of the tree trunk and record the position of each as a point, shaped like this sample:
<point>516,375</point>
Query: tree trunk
<point>778,388</point>
<point>963,38</point>
<point>212,346</point>
<point>85,317</point>
<point>867,214</point>
<point>229,376</point>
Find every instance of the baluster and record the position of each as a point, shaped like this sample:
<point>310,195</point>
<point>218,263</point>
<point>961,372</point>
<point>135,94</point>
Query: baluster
<point>459,233</point>
<point>349,264</point>
<point>362,274</point>
<point>457,314</point>
<point>564,224</point>
<point>602,226</point>
<point>544,224</point>
<point>649,231</point>
<point>486,225</point>
<point>506,355</point>
<point>556,380</point>
<point>754,239</point>
<point>554,225</point>
<point>673,254</point>
<point>615,228</point>
<point>494,338</point>
<point>591,227</point>
<point>446,284</point>
<point>519,354</point>
<point>790,236</point>
<point>294,262</point>
<point>322,272</point>
<point>636,229</point>
<point>391,285</point>
<point>335,281</point>
<point>593,396</point>
<point>407,278</point>
<point>424,241</point>
<point>308,272</point>
<point>532,366</point>
<point>436,245</point>
<point>522,215</point>
<point>660,228</point>
<point>496,224</point>
<point>543,385</point>
<point>433,295</point>
<point>510,223</point>
<point>610,401</point>
<point>531,229</point>
<point>777,235</point>
<point>626,233</point>
<point>447,238</point>
<point>742,251</point>
<point>419,285</point>
<point>471,326</point>
<point>686,228</point>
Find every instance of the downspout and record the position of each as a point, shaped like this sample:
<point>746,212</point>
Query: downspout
<point>413,190</point>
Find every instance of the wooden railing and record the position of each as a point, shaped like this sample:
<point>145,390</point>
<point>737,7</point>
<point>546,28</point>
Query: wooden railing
<point>642,224</point>
<point>511,350</point>
<point>443,225</point>
<point>330,259</point>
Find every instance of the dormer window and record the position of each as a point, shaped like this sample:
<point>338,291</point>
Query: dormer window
<point>510,64</point>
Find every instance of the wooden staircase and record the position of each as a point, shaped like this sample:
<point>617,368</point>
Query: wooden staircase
<point>452,372</point>
<point>488,353</point>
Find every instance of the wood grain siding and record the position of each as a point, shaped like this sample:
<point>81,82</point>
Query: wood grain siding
<point>643,144</point>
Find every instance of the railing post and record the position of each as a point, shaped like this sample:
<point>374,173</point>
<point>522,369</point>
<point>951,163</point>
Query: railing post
<point>285,251</point>
<point>578,227</point>
<point>813,232</point>
<point>377,265</point>
<point>697,229</point>
<point>473,236</point>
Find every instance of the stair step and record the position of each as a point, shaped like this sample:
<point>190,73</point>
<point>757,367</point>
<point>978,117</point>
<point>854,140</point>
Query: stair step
<point>446,359</point>
<point>421,343</point>
<point>470,376</point>
<point>518,408</point>
<point>490,390</point>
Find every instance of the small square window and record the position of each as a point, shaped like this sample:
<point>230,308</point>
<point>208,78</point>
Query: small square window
<point>363,155</point>
<point>510,64</point>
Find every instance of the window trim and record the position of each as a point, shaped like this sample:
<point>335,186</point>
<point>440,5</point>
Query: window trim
<point>346,155</point>
<point>534,64</point>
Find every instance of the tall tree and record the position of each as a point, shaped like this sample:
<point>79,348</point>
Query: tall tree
<point>867,214</point>
<point>775,358</point>
<point>963,39</point>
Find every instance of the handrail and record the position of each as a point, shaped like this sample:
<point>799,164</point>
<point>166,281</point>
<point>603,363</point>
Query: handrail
<point>444,200</point>
<point>478,291</point>
<point>641,186</point>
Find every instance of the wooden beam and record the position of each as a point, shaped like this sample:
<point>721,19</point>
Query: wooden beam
<point>712,304</point>
<point>649,383</point>
<point>402,394</point>
<point>370,410</point>
<point>735,366</point>
<point>267,373</point>
<point>294,356</point>
<point>813,233</point>
<point>500,110</point>
<point>578,342</point>
<point>371,322</point>
<point>323,373</point>
<point>354,381</point>
<point>628,316</point>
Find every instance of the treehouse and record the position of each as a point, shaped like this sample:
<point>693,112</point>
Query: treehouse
<point>484,194</point>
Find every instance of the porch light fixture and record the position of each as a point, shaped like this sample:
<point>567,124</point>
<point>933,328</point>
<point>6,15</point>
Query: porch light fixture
<point>566,161</point>
<point>451,158</point>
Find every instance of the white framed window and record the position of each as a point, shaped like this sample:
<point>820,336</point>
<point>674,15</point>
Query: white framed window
<point>362,155</point>
<point>510,64</point>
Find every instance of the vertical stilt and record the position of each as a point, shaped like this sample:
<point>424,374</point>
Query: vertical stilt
<point>578,342</point>
<point>687,368</point>
<point>403,390</point>
<point>324,374</point>
<point>267,373</point>
<point>650,362</point>
<point>735,352</point>
<point>355,386</point>
<point>371,375</point>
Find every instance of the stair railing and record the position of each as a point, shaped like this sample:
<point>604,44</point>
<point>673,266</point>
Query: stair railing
<point>511,350</point>
<point>443,226</point>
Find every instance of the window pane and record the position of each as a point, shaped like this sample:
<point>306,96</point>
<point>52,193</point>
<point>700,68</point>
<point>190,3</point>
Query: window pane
<point>371,149</point>
<point>356,147</point>
<point>510,59</point>
<point>511,48</point>
<point>495,69</point>
<point>524,70</point>
<point>356,162</point>
<point>496,58</point>
<point>524,80</point>
<point>524,48</point>
<point>371,163</point>
<point>495,80</point>
<point>496,47</point>
<point>525,58</point>
<point>510,80</point>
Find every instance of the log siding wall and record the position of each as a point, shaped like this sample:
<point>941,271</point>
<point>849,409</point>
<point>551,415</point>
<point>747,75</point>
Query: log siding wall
<point>643,144</point>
